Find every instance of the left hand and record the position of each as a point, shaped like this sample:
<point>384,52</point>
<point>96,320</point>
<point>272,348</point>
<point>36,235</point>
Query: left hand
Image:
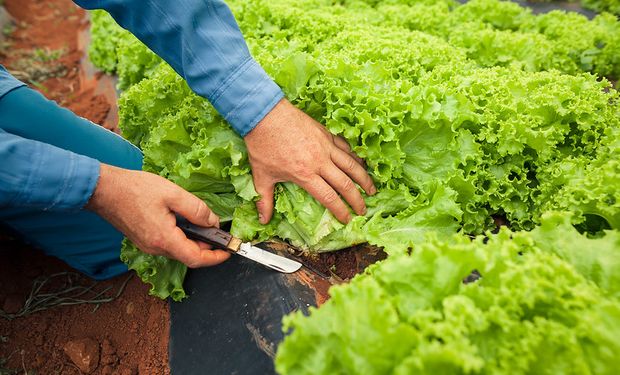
<point>142,206</point>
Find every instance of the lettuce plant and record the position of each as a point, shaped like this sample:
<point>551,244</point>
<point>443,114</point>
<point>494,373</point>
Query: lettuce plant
<point>462,113</point>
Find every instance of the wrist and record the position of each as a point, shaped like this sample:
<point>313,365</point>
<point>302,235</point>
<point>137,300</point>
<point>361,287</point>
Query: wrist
<point>273,116</point>
<point>105,181</point>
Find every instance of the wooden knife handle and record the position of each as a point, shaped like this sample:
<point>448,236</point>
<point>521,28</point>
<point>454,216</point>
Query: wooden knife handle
<point>213,236</point>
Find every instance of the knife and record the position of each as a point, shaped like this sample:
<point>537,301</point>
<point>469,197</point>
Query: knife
<point>224,240</point>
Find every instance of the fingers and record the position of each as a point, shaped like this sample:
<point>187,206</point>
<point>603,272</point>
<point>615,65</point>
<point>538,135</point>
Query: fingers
<point>264,187</point>
<point>345,186</point>
<point>355,171</point>
<point>327,196</point>
<point>191,253</point>
<point>203,245</point>
<point>193,209</point>
<point>342,144</point>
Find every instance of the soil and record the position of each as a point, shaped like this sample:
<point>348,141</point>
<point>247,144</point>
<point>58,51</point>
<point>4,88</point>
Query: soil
<point>44,50</point>
<point>130,334</point>
<point>343,265</point>
<point>126,336</point>
<point>322,270</point>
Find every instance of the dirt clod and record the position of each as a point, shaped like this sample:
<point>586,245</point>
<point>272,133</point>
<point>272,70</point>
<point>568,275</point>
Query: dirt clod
<point>108,354</point>
<point>107,348</point>
<point>84,353</point>
<point>129,308</point>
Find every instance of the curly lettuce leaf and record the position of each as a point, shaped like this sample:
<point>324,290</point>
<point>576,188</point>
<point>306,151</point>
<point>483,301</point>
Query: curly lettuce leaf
<point>105,37</point>
<point>597,259</point>
<point>163,274</point>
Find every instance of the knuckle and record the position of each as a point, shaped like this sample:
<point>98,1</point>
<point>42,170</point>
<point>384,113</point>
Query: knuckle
<point>350,164</point>
<point>265,198</point>
<point>214,220</point>
<point>147,248</point>
<point>157,243</point>
<point>330,197</point>
<point>210,215</point>
<point>348,185</point>
<point>303,174</point>
<point>192,264</point>
<point>201,210</point>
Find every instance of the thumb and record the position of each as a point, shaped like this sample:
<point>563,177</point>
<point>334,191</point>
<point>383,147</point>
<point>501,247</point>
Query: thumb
<point>191,254</point>
<point>194,209</point>
<point>264,187</point>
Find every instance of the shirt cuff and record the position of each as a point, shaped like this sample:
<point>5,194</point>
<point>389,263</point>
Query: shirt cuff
<point>60,181</point>
<point>8,83</point>
<point>246,97</point>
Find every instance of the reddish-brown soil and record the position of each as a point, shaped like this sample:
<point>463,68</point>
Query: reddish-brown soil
<point>44,30</point>
<point>131,332</point>
<point>128,335</point>
<point>344,264</point>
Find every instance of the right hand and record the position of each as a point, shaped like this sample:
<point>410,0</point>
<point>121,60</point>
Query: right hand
<point>142,206</point>
<point>288,145</point>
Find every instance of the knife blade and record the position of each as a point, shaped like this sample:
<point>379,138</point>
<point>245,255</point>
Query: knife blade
<point>224,240</point>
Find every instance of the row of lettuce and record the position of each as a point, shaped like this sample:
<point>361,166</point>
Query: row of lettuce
<point>612,6</point>
<point>463,113</point>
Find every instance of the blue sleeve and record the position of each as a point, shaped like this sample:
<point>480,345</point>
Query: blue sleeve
<point>8,82</point>
<point>202,42</point>
<point>39,175</point>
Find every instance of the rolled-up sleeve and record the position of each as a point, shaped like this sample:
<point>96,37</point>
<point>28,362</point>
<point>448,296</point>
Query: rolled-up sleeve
<point>202,42</point>
<point>39,175</point>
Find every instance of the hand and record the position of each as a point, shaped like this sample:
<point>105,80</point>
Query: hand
<point>288,145</point>
<point>142,206</point>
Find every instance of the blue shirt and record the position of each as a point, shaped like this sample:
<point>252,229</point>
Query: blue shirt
<point>200,39</point>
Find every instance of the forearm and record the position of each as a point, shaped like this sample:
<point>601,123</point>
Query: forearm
<point>200,39</point>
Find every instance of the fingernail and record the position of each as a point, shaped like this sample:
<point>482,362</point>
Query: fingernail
<point>364,210</point>
<point>261,218</point>
<point>373,190</point>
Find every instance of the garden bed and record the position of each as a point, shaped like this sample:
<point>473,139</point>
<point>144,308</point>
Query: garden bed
<point>131,332</point>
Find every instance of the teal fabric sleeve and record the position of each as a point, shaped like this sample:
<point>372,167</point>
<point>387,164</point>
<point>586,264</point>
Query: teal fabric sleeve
<point>37,175</point>
<point>49,164</point>
<point>8,82</point>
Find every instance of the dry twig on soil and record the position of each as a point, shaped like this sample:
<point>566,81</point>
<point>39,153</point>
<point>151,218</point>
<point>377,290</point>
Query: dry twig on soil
<point>69,293</point>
